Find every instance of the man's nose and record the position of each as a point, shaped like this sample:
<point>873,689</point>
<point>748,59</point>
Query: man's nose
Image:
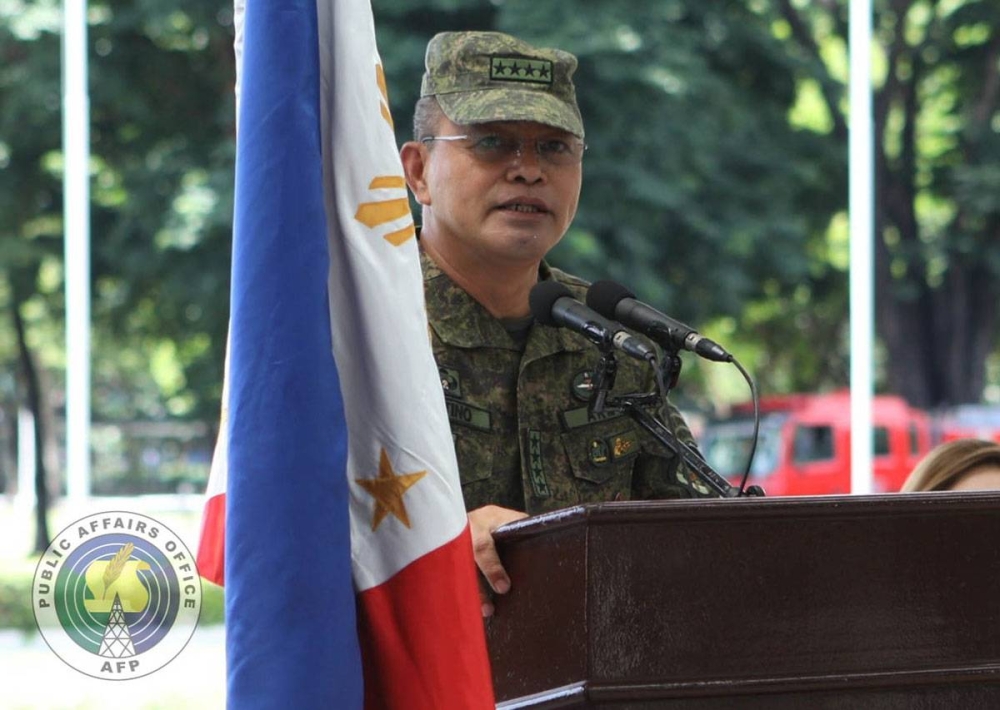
<point>527,150</point>
<point>527,161</point>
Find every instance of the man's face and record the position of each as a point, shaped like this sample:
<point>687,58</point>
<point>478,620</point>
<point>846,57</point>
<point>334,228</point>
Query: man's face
<point>509,191</point>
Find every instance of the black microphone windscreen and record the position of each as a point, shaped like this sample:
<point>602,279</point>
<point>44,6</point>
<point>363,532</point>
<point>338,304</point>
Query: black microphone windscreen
<point>604,297</point>
<point>543,297</point>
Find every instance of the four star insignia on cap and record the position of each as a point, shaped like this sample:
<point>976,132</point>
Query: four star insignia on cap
<point>536,71</point>
<point>388,489</point>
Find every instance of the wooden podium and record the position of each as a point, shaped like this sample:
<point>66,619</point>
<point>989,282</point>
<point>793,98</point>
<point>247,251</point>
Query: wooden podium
<point>889,601</point>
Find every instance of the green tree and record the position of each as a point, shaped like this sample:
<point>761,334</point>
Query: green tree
<point>937,181</point>
<point>29,237</point>
<point>162,130</point>
<point>163,125</point>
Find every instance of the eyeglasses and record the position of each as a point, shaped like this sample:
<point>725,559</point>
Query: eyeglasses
<point>496,148</point>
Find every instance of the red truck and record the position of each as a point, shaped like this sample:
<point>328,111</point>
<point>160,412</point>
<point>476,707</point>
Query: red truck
<point>804,447</point>
<point>976,421</point>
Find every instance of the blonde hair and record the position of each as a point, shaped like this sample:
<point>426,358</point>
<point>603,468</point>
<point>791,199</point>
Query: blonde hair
<point>947,463</point>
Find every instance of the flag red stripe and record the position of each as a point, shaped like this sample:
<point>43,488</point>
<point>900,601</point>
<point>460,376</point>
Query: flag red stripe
<point>403,625</point>
<point>211,545</point>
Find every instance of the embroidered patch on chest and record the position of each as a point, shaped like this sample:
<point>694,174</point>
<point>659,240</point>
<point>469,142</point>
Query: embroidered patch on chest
<point>466,415</point>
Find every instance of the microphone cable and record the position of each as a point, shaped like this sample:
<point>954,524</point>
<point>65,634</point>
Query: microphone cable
<point>756,430</point>
<point>755,398</point>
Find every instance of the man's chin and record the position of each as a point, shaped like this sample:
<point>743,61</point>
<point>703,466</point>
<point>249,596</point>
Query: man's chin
<point>525,246</point>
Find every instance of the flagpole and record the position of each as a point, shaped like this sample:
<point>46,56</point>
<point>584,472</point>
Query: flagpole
<point>861,198</point>
<point>76,230</point>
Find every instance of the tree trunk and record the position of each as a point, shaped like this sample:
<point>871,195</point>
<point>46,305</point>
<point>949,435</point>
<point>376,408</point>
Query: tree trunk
<point>938,336</point>
<point>938,341</point>
<point>34,397</point>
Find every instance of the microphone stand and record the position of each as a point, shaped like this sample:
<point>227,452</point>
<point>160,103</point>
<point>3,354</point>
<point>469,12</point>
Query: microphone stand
<point>604,380</point>
<point>670,368</point>
<point>633,405</point>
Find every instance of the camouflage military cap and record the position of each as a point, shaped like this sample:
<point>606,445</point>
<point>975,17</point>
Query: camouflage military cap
<point>478,77</point>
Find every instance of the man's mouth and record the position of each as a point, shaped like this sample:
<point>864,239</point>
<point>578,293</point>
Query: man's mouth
<point>521,207</point>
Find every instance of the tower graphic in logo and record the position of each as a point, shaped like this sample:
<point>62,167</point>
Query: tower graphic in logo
<point>117,595</point>
<point>117,641</point>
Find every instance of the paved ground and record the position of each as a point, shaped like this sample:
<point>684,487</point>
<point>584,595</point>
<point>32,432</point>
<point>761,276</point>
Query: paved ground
<point>33,677</point>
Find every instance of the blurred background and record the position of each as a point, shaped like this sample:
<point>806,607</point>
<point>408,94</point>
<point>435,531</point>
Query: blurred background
<point>715,187</point>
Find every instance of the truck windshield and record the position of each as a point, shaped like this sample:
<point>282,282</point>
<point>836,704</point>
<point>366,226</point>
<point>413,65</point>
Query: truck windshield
<point>726,446</point>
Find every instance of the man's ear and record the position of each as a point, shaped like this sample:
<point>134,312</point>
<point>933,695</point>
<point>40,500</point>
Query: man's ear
<point>414,157</point>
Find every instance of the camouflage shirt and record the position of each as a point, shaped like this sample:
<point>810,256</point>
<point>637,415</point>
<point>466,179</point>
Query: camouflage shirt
<point>519,413</point>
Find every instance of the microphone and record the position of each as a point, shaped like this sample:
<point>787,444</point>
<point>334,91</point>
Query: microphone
<point>553,304</point>
<point>613,300</point>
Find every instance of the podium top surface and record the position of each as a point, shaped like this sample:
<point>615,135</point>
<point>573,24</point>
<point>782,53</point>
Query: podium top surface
<point>930,504</point>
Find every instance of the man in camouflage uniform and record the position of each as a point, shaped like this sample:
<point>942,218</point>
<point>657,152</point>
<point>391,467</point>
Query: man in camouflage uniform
<point>496,164</point>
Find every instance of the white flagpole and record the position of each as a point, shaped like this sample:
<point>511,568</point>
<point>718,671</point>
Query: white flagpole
<point>76,231</point>
<point>861,250</point>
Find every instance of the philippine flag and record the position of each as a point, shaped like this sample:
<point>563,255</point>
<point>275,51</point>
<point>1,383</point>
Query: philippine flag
<point>334,486</point>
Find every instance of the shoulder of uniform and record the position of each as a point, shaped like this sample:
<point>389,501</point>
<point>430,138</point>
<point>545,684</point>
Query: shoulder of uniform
<point>574,283</point>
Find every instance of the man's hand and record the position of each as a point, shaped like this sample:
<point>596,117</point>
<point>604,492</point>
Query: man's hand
<point>483,521</point>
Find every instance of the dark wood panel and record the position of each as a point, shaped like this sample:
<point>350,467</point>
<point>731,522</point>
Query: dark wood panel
<point>870,597</point>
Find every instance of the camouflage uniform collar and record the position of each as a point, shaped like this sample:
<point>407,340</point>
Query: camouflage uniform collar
<point>461,321</point>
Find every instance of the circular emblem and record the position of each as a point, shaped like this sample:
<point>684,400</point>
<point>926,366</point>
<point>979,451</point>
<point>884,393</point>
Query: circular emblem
<point>583,385</point>
<point>599,452</point>
<point>116,595</point>
<point>449,381</point>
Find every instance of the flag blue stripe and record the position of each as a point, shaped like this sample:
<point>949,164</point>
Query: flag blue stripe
<point>290,615</point>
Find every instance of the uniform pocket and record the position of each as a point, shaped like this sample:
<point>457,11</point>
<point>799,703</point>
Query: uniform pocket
<point>602,453</point>
<point>474,451</point>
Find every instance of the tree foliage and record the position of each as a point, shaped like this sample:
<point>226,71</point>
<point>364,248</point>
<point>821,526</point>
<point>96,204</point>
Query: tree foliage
<point>715,180</point>
<point>937,118</point>
<point>162,128</point>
